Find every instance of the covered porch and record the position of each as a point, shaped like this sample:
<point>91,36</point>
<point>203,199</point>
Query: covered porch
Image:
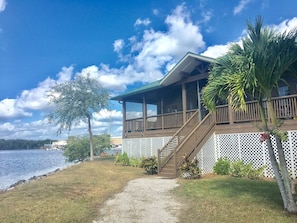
<point>165,123</point>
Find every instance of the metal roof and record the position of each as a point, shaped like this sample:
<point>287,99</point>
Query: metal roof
<point>186,64</point>
<point>152,86</point>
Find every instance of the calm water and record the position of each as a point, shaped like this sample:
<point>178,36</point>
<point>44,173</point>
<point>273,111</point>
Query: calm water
<point>18,165</point>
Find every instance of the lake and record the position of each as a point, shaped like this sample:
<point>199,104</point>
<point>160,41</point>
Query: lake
<point>18,165</point>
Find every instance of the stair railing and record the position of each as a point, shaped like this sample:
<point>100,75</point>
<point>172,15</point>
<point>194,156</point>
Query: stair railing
<point>191,143</point>
<point>165,153</point>
<point>195,140</point>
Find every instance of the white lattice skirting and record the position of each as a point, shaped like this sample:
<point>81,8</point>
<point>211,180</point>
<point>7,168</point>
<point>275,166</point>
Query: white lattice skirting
<point>246,147</point>
<point>243,146</point>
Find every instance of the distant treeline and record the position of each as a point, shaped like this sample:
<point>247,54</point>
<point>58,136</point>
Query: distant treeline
<point>9,144</point>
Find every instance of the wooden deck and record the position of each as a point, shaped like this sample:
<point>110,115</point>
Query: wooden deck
<point>227,120</point>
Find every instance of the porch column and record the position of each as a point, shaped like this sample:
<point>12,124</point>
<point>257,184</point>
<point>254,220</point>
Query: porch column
<point>144,112</point>
<point>162,113</point>
<point>124,118</point>
<point>230,112</point>
<point>184,102</point>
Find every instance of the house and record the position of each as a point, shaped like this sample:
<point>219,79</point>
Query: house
<point>166,118</point>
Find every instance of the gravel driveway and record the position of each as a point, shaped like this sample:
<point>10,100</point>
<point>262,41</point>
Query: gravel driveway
<point>144,200</point>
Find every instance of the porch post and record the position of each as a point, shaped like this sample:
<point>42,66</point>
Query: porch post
<point>144,112</point>
<point>184,102</point>
<point>124,119</point>
<point>162,113</point>
<point>230,112</point>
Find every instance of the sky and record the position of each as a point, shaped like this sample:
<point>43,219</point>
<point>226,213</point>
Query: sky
<point>123,44</point>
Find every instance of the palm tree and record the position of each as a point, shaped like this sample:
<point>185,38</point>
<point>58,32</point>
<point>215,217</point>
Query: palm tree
<point>255,67</point>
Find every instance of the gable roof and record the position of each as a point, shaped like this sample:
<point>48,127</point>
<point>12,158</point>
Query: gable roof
<point>186,64</point>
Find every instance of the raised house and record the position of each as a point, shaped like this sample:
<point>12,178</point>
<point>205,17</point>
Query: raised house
<point>166,118</point>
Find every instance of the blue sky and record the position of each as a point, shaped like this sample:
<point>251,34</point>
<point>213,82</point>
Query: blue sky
<point>124,44</point>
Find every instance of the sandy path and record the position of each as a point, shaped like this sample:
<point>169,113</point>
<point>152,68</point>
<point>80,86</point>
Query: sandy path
<point>145,200</point>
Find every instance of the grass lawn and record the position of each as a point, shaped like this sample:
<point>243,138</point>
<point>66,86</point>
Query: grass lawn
<point>76,194</point>
<point>230,199</point>
<point>71,195</point>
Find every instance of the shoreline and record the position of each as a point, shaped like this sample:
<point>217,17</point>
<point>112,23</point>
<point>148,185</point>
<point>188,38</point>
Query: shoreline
<point>34,178</point>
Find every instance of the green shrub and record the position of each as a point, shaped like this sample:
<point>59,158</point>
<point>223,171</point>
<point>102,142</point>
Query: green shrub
<point>122,159</point>
<point>125,160</point>
<point>239,169</point>
<point>257,173</point>
<point>134,162</point>
<point>222,166</point>
<point>150,165</point>
<point>118,158</point>
<point>190,169</point>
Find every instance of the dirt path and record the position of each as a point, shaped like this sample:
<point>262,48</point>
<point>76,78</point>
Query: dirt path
<point>144,200</point>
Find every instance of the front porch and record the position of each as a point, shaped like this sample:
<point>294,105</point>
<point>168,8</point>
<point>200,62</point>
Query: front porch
<point>226,119</point>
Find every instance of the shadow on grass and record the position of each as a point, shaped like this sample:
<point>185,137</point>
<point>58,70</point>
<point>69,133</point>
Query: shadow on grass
<point>238,188</point>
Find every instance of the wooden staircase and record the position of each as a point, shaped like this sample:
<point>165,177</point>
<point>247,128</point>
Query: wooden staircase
<point>189,140</point>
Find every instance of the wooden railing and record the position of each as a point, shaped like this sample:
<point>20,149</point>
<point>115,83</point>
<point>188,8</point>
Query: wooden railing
<point>195,140</point>
<point>285,108</point>
<point>165,121</point>
<point>190,144</point>
<point>164,153</point>
<point>134,125</point>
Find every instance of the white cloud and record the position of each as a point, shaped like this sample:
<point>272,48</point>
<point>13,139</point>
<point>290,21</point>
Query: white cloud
<point>286,25</point>
<point>2,5</point>
<point>216,51</point>
<point>10,109</point>
<point>118,45</point>
<point>144,22</point>
<point>155,11</point>
<point>219,50</point>
<point>241,6</point>
<point>152,55</point>
<point>32,99</point>
<point>103,122</point>
<point>160,48</point>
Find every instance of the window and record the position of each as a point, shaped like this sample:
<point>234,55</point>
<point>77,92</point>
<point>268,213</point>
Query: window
<point>283,91</point>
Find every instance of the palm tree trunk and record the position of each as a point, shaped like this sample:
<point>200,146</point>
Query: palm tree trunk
<point>288,199</point>
<point>291,205</point>
<point>91,140</point>
<point>272,156</point>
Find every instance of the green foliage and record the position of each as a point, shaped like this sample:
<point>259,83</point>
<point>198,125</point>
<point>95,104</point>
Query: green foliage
<point>283,135</point>
<point>222,166</point>
<point>122,159</point>
<point>256,173</point>
<point>134,162</point>
<point>190,169</point>
<point>76,100</point>
<point>12,144</point>
<point>101,142</point>
<point>125,159</point>
<point>77,148</point>
<point>240,169</point>
<point>150,165</point>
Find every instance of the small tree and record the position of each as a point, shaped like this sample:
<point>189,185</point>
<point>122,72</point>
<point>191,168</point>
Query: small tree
<point>75,101</point>
<point>101,143</point>
<point>77,148</point>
